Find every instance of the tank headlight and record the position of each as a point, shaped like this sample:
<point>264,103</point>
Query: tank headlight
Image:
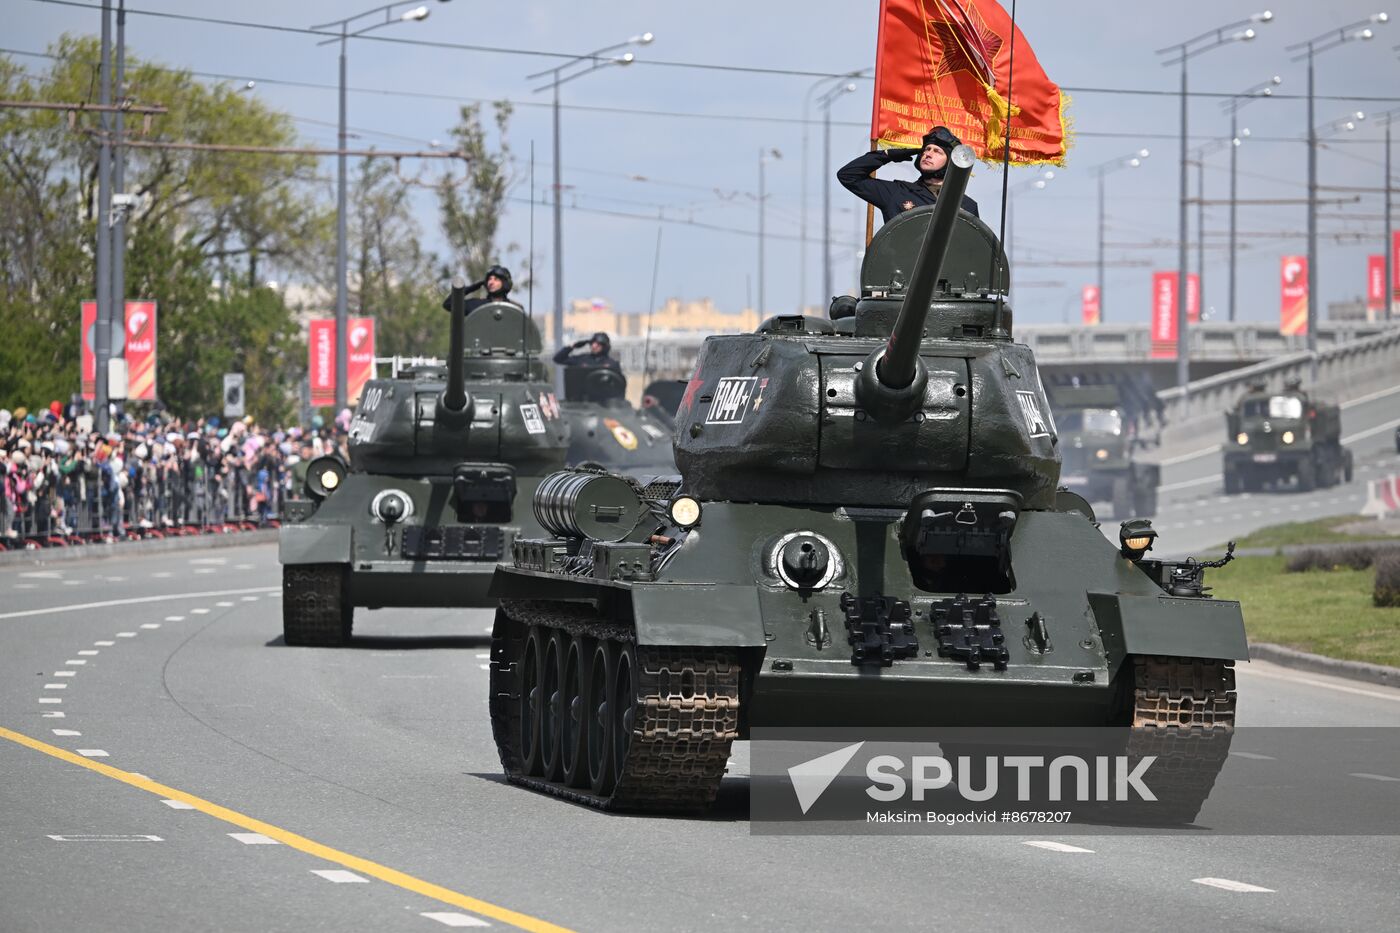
<point>1101,453</point>
<point>684,512</point>
<point>324,476</point>
<point>329,479</point>
<point>1241,438</point>
<point>1135,538</point>
<point>1287,437</point>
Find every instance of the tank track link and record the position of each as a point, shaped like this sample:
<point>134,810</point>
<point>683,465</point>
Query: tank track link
<point>685,712</point>
<point>316,610</point>
<point>1183,712</point>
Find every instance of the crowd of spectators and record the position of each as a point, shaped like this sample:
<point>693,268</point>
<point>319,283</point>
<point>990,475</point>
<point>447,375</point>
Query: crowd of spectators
<point>62,482</point>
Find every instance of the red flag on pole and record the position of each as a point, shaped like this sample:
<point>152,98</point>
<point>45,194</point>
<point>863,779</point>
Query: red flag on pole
<point>1375,286</point>
<point>1293,295</point>
<point>1164,315</point>
<point>321,345</point>
<point>948,62</point>
<point>1089,305</point>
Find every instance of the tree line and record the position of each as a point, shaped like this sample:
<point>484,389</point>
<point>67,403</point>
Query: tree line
<point>209,229</point>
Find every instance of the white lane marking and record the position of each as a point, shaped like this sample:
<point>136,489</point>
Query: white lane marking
<point>277,595</point>
<point>25,586</point>
<point>209,560</point>
<point>65,673</point>
<point>65,732</point>
<point>104,644</point>
<point>1373,777</point>
<point>178,805</point>
<point>1225,884</point>
<point>204,570</point>
<point>1182,458</point>
<point>1055,846</point>
<point>42,574</point>
<point>1393,697</point>
<point>126,634</point>
<point>223,605</point>
<point>72,582</point>
<point>150,625</point>
<point>162,574</point>
<point>92,753</point>
<point>1370,431</point>
<point>411,676</point>
<point>340,876</point>
<point>254,839</point>
<point>242,566</point>
<point>49,700</point>
<point>449,919</point>
<point>1213,478</point>
<point>53,715</point>
<point>133,601</point>
<point>483,657</point>
<point>77,660</point>
<point>55,686</point>
<point>1371,397</point>
<point>1252,756</point>
<point>199,612</point>
<point>484,667</point>
<point>251,599</point>
<point>115,579</point>
<point>107,837</point>
<point>174,618</point>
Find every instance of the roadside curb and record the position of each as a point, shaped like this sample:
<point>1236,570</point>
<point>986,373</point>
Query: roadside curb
<point>53,555</point>
<point>1302,660</point>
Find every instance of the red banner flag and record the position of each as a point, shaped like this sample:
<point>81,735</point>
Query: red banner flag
<point>1164,329</point>
<point>321,343</point>
<point>1089,305</point>
<point>1395,272</point>
<point>1293,295</point>
<point>948,62</point>
<point>136,342</point>
<point>1375,286</point>
<point>1193,298</point>
<point>87,345</point>
<point>361,360</point>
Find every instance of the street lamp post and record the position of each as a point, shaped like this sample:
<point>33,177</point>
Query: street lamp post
<point>1009,247</point>
<point>1180,54</point>
<point>1237,136</point>
<point>826,181</point>
<point>1308,49</point>
<point>1386,232</point>
<point>102,335</point>
<point>764,157</point>
<point>825,102</point>
<point>1108,168</point>
<point>342,343</point>
<point>558,78</point>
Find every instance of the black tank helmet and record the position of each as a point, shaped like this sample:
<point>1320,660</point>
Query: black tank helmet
<point>604,339</point>
<point>502,273</point>
<point>943,138</point>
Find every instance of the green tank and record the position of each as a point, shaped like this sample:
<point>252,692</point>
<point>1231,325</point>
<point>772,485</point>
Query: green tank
<point>606,431</point>
<point>1103,423</point>
<point>867,530</point>
<point>1277,437</point>
<point>443,461</point>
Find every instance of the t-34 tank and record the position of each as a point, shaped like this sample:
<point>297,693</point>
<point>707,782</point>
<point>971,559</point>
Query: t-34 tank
<point>605,430</point>
<point>441,459</point>
<point>866,530</point>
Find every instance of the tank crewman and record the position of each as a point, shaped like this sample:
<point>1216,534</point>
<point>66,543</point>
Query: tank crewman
<point>599,346</point>
<point>894,197</point>
<point>498,285</point>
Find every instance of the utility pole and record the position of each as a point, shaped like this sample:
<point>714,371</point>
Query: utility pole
<point>102,338</point>
<point>119,180</point>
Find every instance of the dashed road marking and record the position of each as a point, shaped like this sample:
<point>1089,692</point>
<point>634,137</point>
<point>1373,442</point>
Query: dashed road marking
<point>205,570</point>
<point>66,732</point>
<point>223,605</point>
<point>65,673</point>
<point>93,753</point>
<point>1252,756</point>
<point>162,574</point>
<point>49,700</point>
<point>55,686</point>
<point>103,644</point>
<point>133,601</point>
<point>1225,884</point>
<point>250,599</point>
<point>1373,777</point>
<point>254,839</point>
<point>199,612</point>
<point>150,625</point>
<point>455,919</point>
<point>78,661</point>
<point>178,805</point>
<point>107,837</point>
<point>52,715</point>
<point>43,574</point>
<point>301,843</point>
<point>126,634</point>
<point>25,586</point>
<point>483,657</point>
<point>72,582</point>
<point>174,618</point>
<point>340,876</point>
<point>209,560</point>
<point>484,667</point>
<point>1056,846</point>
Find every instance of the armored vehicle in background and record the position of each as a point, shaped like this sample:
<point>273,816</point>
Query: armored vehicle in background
<point>1272,437</point>
<point>1102,424</point>
<point>867,529</point>
<point>607,431</point>
<point>441,458</point>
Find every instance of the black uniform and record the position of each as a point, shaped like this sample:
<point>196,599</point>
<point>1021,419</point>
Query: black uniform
<point>891,197</point>
<point>588,360</point>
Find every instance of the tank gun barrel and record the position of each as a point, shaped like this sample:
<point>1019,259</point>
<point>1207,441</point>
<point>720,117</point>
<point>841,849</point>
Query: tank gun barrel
<point>898,365</point>
<point>454,406</point>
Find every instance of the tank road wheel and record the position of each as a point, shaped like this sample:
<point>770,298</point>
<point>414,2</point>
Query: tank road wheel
<point>531,701</point>
<point>316,608</point>
<point>598,735</point>
<point>552,710</point>
<point>573,723</point>
<point>622,704</point>
<point>1183,712</point>
<point>1122,500</point>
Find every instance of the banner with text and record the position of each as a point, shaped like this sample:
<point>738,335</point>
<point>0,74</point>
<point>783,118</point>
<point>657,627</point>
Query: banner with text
<point>1089,305</point>
<point>361,360</point>
<point>359,369</point>
<point>1193,298</point>
<point>1164,330</point>
<point>135,341</point>
<point>1293,295</point>
<point>1375,287</point>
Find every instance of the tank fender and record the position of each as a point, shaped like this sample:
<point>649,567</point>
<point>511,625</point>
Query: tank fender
<point>314,544</point>
<point>1169,625</point>
<point>732,617</point>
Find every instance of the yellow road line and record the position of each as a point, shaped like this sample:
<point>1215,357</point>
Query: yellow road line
<point>286,837</point>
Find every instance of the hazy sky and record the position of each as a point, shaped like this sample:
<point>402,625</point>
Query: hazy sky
<point>706,169</point>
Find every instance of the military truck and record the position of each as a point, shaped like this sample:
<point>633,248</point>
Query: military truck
<point>605,429</point>
<point>441,458</point>
<point>867,529</point>
<point>1104,425</point>
<point>1275,437</point>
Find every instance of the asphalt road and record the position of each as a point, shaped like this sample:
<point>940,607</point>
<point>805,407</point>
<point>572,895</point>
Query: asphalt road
<point>358,789</point>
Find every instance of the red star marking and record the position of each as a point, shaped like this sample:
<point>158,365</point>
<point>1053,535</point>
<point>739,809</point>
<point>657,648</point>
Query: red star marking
<point>947,51</point>
<point>691,388</point>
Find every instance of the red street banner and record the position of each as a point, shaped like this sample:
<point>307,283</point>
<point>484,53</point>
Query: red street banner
<point>1164,315</point>
<point>1293,295</point>
<point>360,364</point>
<point>948,62</point>
<point>136,342</point>
<point>1089,305</point>
<point>1395,273</point>
<point>1193,298</point>
<point>321,343</point>
<point>1375,286</point>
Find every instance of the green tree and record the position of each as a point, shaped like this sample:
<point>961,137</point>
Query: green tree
<point>471,205</point>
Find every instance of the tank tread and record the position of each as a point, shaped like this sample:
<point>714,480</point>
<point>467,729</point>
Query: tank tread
<point>686,713</point>
<point>1183,712</point>
<point>315,609</point>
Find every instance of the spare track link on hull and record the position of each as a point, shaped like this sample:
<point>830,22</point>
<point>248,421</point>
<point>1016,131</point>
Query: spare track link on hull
<point>1183,712</point>
<point>683,718</point>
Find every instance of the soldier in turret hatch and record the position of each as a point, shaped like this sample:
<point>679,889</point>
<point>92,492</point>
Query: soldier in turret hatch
<point>894,197</point>
<point>498,285</point>
<point>597,357</point>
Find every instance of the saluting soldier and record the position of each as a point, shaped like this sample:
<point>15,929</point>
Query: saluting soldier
<point>895,197</point>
